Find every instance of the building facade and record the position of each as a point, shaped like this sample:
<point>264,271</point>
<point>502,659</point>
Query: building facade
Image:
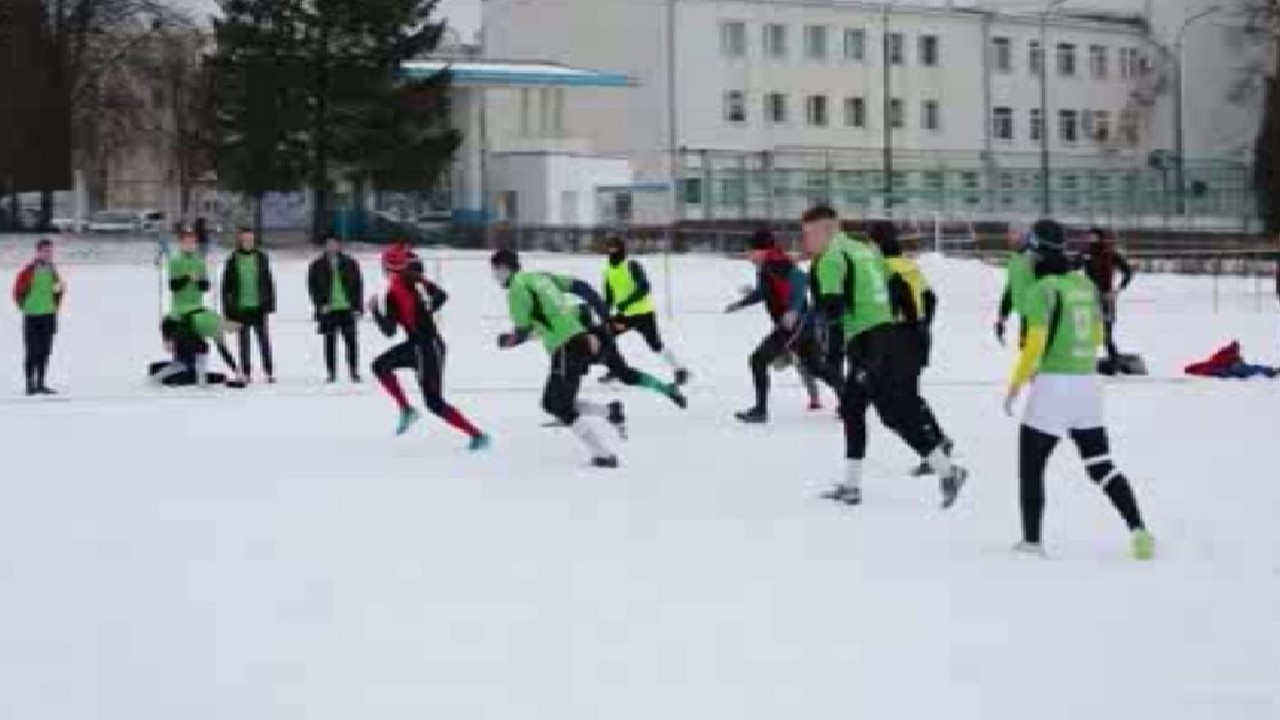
<point>755,108</point>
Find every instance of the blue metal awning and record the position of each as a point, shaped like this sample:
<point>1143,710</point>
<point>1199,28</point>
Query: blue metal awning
<point>472,73</point>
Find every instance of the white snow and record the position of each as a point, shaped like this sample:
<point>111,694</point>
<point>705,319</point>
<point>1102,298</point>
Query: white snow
<point>276,553</point>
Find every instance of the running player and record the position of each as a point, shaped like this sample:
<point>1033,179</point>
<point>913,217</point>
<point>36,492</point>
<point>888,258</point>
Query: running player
<point>629,296</point>
<point>914,307</point>
<point>538,306</point>
<point>1058,360</point>
<point>783,289</point>
<point>411,304</point>
<point>849,281</point>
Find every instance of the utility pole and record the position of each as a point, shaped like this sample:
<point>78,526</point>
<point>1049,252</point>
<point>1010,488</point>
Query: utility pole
<point>886,101</point>
<point>1046,189</point>
<point>1179,90</point>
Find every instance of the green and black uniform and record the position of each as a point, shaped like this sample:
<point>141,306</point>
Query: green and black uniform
<point>248,299</point>
<point>38,295</point>
<point>188,282</point>
<point>336,286</point>
<point>539,306</point>
<point>850,281</point>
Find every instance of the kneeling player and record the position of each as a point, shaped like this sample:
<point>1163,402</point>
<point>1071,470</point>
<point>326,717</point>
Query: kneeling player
<point>1064,322</point>
<point>186,338</point>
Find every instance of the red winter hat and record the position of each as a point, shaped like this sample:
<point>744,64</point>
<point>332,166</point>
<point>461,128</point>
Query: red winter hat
<point>397,257</point>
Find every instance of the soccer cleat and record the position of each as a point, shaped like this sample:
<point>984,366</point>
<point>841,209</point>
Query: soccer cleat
<point>45,390</point>
<point>815,405</point>
<point>617,417</point>
<point>271,379</point>
<point>235,384</point>
<point>682,377</point>
<point>408,417</point>
<point>331,379</point>
<point>844,494</point>
<point>952,483</point>
<point>1030,549</point>
<point>678,398</point>
<point>479,443</point>
<point>608,462</point>
<point>355,378</point>
<point>924,469</point>
<point>1144,545</point>
<point>753,416</point>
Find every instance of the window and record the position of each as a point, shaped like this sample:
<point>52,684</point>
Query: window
<point>735,107</point>
<point>855,45</point>
<point>1068,126</point>
<point>897,49</point>
<point>897,114</point>
<point>815,108</point>
<point>1101,130</point>
<point>815,42</point>
<point>1035,58</point>
<point>1130,63</point>
<point>1037,125</point>
<point>1002,54</point>
<point>1002,123</point>
<point>1066,60</point>
<point>775,41</point>
<point>929,50</point>
<point>1099,62</point>
<point>931,115</point>
<point>775,108</point>
<point>733,39</point>
<point>1129,126</point>
<point>855,112</point>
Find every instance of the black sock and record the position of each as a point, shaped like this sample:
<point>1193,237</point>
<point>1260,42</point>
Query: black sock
<point>1120,492</point>
<point>1034,449</point>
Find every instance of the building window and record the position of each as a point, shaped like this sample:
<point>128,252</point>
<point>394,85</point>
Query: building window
<point>1129,126</point>
<point>775,108</point>
<point>1101,126</point>
<point>775,41</point>
<point>1037,125</point>
<point>1002,54</point>
<point>897,49</point>
<point>855,112</point>
<point>1099,62</point>
<point>931,115</point>
<point>1068,126</point>
<point>815,42</point>
<point>815,110</point>
<point>1002,123</point>
<point>1066,60</point>
<point>897,114</point>
<point>1035,58</point>
<point>733,39</point>
<point>930,50</point>
<point>1130,63</point>
<point>855,45</point>
<point>735,107</point>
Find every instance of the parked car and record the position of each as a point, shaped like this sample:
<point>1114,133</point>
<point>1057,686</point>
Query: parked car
<point>114,221</point>
<point>151,221</point>
<point>69,225</point>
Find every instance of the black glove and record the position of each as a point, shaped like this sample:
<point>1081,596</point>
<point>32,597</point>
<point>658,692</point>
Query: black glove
<point>1000,330</point>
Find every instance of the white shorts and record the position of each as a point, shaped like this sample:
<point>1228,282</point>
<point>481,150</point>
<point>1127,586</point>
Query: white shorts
<point>1059,404</point>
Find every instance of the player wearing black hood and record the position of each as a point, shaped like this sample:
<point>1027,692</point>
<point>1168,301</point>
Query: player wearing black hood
<point>629,296</point>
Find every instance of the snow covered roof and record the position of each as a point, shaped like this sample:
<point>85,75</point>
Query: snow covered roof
<point>507,73</point>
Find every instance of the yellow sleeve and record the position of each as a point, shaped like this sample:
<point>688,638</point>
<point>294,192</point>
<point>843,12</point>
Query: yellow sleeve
<point>1099,334</point>
<point>1029,360</point>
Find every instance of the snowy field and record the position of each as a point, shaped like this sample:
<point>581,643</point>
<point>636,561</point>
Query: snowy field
<point>277,554</point>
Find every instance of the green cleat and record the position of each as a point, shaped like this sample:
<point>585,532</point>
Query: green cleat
<point>1144,545</point>
<point>479,443</point>
<point>408,417</point>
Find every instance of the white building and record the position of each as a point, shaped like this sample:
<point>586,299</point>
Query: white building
<point>752,108</point>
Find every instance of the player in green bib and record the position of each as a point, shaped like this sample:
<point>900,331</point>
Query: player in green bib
<point>249,299</point>
<point>188,277</point>
<point>1019,277</point>
<point>38,292</point>
<point>1059,361</point>
<point>849,280</point>
<point>539,306</point>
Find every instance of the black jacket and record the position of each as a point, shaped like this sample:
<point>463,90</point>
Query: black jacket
<point>320,281</point>
<point>231,286</point>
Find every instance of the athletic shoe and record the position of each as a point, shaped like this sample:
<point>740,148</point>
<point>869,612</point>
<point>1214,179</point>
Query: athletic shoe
<point>815,405</point>
<point>924,468</point>
<point>1030,549</point>
<point>844,494</point>
<point>617,417</point>
<point>31,392</point>
<point>408,417</point>
<point>753,416</point>
<point>682,377</point>
<point>1144,545</point>
<point>234,384</point>
<point>608,463</point>
<point>952,483</point>
<point>45,390</point>
<point>355,378</point>
<point>678,398</point>
<point>271,379</point>
<point>479,443</point>
<point>331,379</point>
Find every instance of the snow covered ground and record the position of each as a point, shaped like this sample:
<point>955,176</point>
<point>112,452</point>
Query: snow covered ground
<point>276,553</point>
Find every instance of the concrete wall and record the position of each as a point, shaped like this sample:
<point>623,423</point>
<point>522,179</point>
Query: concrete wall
<point>553,188</point>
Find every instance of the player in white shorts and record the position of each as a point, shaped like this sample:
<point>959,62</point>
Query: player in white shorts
<point>1059,361</point>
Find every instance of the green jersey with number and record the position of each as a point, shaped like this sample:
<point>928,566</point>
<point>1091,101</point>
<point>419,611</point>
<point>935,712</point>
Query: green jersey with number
<point>856,271</point>
<point>538,305</point>
<point>190,297</point>
<point>1021,276</point>
<point>1066,307</point>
